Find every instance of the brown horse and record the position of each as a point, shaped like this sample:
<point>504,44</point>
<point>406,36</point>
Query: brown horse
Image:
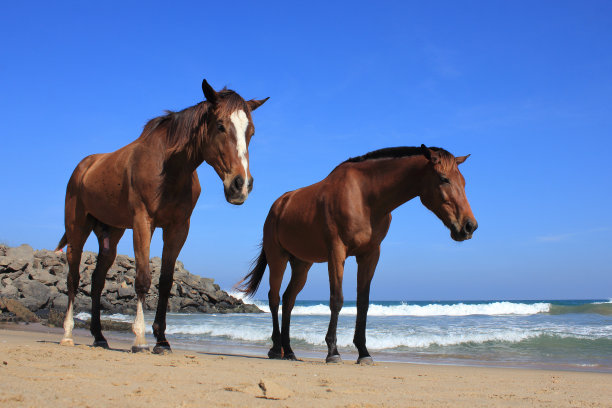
<point>150,183</point>
<point>348,214</point>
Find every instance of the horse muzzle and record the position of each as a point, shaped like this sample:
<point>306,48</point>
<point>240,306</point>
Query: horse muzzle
<point>465,231</point>
<point>237,192</point>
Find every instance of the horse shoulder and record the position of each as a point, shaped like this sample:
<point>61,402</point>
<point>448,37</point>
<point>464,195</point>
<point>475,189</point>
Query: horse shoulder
<point>196,188</point>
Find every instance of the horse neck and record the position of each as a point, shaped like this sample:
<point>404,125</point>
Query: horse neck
<point>394,182</point>
<point>185,150</point>
<point>181,164</point>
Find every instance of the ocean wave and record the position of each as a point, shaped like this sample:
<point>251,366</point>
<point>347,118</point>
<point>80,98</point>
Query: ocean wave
<point>381,342</point>
<point>385,340</point>
<point>234,332</point>
<point>376,340</point>
<point>118,317</point>
<point>458,309</point>
<point>601,308</point>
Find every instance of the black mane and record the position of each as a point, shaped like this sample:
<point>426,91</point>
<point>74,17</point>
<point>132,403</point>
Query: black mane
<point>392,153</point>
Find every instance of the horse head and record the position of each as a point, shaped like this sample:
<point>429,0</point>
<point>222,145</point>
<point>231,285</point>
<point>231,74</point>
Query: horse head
<point>443,193</point>
<point>229,131</point>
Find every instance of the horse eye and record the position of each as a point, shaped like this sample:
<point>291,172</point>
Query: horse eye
<point>220,127</point>
<point>444,179</point>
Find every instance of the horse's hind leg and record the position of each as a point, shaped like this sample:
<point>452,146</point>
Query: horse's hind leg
<point>78,228</point>
<point>108,238</point>
<point>299,273</point>
<point>335,267</point>
<point>366,265</point>
<point>174,238</point>
<point>277,262</point>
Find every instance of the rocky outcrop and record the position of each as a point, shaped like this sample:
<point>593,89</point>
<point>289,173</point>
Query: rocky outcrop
<point>37,279</point>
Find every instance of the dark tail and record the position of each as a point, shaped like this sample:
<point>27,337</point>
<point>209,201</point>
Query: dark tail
<point>62,243</point>
<point>249,284</point>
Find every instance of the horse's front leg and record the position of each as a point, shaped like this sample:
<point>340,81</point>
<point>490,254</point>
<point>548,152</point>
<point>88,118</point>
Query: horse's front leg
<point>335,267</point>
<point>143,231</point>
<point>366,265</point>
<point>174,238</point>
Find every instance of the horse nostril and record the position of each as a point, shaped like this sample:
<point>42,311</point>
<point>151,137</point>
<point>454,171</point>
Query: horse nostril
<point>250,185</point>
<point>470,227</point>
<point>238,183</point>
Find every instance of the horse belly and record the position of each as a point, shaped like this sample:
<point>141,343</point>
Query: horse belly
<point>301,235</point>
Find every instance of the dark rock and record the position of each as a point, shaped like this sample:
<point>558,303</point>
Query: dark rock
<point>62,285</point>
<point>42,314</point>
<point>35,294</point>
<point>186,302</point>
<point>16,307</point>
<point>248,308</point>
<point>21,252</point>
<point>46,277</point>
<point>111,286</point>
<point>18,264</point>
<point>111,325</point>
<point>174,304</point>
<point>9,290</point>
<point>55,318</point>
<point>125,292</point>
<point>38,279</point>
<point>88,258</point>
<point>60,302</point>
<point>82,303</point>
<point>4,261</point>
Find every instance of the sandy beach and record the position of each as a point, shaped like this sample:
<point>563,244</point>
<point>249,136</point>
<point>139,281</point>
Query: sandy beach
<point>36,372</point>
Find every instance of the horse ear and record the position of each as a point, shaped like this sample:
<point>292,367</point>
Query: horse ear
<point>461,159</point>
<point>209,92</point>
<point>254,103</point>
<point>427,153</point>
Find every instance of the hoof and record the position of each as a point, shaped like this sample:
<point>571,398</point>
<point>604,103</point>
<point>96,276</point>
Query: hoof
<point>100,343</point>
<point>275,355</point>
<point>162,348</point>
<point>140,349</point>
<point>365,360</point>
<point>67,342</point>
<point>335,359</point>
<point>290,356</point>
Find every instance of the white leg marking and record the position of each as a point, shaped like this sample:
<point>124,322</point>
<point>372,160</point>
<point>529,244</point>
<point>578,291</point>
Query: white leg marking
<point>241,122</point>
<point>139,327</point>
<point>68,326</point>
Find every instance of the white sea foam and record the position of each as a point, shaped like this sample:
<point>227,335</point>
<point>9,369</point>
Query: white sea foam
<point>118,317</point>
<point>458,309</point>
<point>234,332</point>
<point>236,294</point>
<point>381,341</point>
<point>376,340</point>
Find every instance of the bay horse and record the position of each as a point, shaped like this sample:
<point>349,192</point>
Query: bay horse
<point>348,214</point>
<point>150,183</point>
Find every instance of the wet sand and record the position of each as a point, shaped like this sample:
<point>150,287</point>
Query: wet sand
<point>35,371</point>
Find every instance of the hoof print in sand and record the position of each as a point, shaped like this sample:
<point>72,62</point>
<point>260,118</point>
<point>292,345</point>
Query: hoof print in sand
<point>273,391</point>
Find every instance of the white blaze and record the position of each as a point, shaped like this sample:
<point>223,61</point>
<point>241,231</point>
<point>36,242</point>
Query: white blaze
<point>241,122</point>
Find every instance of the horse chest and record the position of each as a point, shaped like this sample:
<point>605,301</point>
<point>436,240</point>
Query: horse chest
<point>357,239</point>
<point>366,236</point>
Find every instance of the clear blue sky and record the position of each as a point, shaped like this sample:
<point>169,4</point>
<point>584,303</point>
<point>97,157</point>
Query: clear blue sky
<point>525,87</point>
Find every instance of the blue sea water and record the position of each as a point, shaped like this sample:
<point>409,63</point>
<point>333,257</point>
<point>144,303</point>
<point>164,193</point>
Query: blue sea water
<point>560,334</point>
